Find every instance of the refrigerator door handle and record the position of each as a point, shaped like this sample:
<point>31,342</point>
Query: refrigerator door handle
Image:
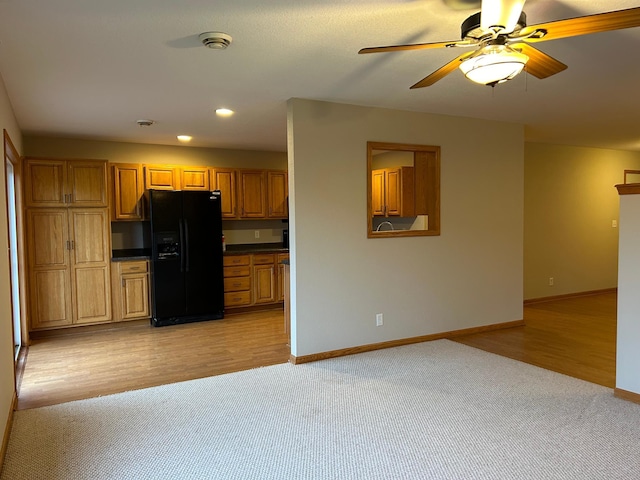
<point>181,245</point>
<point>186,241</point>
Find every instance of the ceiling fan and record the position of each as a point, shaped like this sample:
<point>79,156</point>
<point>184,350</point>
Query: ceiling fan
<point>501,42</point>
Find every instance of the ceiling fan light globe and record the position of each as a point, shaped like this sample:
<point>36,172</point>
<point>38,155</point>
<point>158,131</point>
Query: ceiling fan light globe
<point>494,67</point>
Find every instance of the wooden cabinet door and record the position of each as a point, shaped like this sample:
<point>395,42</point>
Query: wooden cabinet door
<point>90,262</point>
<point>128,188</point>
<point>161,177</point>
<point>194,178</point>
<point>49,281</point>
<point>281,279</point>
<point>224,179</point>
<point>264,285</point>
<point>130,288</point>
<point>53,183</point>
<point>135,296</point>
<point>252,195</point>
<point>45,182</point>
<point>393,198</point>
<point>378,192</point>
<point>277,194</point>
<point>87,183</point>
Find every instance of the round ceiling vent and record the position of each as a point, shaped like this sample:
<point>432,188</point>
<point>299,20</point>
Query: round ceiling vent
<point>215,40</point>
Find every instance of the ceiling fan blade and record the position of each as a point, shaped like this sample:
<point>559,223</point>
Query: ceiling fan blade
<point>442,71</point>
<point>572,27</point>
<point>416,46</point>
<point>500,13</point>
<point>540,64</point>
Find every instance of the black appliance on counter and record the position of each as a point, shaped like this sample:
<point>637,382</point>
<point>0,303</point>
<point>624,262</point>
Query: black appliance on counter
<point>186,256</point>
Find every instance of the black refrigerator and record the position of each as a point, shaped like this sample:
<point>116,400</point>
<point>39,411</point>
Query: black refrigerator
<point>186,256</point>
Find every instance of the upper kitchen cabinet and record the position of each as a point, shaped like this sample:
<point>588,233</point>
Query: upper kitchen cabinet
<point>161,177</point>
<point>393,192</point>
<point>252,194</point>
<point>128,189</point>
<point>277,194</point>
<point>194,178</point>
<point>65,183</point>
<point>224,179</point>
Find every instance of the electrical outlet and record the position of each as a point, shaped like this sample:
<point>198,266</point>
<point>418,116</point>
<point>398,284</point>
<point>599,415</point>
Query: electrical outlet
<point>551,281</point>
<point>257,233</point>
<point>379,320</point>
<point>614,223</point>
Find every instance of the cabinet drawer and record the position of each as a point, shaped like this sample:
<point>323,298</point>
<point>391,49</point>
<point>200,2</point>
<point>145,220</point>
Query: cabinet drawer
<point>237,284</point>
<point>283,256</point>
<point>263,258</point>
<point>133,267</point>
<point>237,299</point>
<point>241,271</point>
<point>234,260</point>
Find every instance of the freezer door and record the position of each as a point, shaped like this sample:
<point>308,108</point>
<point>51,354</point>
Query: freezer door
<point>167,250</point>
<point>202,220</point>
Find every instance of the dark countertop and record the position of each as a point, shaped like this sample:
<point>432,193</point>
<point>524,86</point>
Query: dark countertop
<point>256,248</point>
<point>145,253</point>
<point>131,254</point>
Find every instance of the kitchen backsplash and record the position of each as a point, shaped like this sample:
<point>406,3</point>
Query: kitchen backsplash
<point>243,232</point>
<point>126,235</point>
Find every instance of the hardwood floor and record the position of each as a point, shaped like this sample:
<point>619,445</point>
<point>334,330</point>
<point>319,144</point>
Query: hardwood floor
<point>77,366</point>
<point>573,336</point>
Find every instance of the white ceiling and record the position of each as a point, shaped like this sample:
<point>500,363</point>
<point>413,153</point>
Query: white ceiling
<point>91,68</point>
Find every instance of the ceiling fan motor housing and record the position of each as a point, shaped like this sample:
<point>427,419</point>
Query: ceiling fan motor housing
<point>470,28</point>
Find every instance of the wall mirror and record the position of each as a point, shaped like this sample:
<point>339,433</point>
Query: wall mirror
<point>403,190</point>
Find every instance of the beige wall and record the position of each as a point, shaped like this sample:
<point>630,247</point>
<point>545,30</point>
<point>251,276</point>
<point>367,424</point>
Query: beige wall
<point>471,275</point>
<point>569,204</point>
<point>7,383</point>
<point>123,152</point>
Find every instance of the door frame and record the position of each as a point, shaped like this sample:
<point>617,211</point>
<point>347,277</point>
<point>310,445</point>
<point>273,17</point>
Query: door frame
<point>12,156</point>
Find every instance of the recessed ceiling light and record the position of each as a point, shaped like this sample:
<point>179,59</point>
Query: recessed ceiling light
<point>184,138</point>
<point>224,112</point>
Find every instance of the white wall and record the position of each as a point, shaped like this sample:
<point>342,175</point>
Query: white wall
<point>7,382</point>
<point>628,336</point>
<point>470,275</point>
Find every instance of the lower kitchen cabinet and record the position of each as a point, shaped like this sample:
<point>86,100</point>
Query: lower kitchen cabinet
<point>253,280</point>
<point>282,278</point>
<point>130,284</point>
<point>237,281</point>
<point>264,278</point>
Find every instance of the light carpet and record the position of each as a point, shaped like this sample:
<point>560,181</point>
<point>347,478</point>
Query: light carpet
<point>435,410</point>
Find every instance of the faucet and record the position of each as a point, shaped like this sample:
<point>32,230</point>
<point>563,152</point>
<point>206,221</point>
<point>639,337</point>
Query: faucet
<point>388,223</point>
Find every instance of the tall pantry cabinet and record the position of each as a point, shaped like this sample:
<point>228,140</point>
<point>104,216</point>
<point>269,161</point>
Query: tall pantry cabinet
<point>68,242</point>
